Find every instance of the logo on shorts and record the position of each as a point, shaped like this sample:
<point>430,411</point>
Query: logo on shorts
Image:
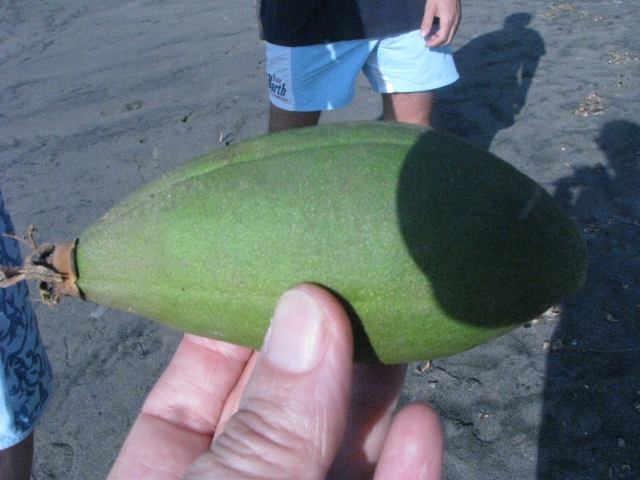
<point>277,87</point>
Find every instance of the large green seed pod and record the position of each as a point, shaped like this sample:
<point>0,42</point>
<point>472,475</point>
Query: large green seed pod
<point>434,246</point>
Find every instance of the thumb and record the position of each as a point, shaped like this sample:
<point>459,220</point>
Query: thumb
<point>293,411</point>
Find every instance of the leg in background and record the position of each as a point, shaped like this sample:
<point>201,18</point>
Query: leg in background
<point>415,107</point>
<point>16,461</point>
<point>280,119</point>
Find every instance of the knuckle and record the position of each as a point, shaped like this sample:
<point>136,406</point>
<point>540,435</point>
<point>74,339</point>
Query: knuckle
<point>263,444</point>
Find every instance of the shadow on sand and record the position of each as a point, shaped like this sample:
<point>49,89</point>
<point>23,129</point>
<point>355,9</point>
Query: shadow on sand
<point>496,70</point>
<point>591,411</point>
<point>591,406</point>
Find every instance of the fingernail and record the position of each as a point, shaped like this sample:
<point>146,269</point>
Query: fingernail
<point>296,337</point>
<point>423,33</point>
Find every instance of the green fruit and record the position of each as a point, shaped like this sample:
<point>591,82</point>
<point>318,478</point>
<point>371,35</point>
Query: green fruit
<point>433,246</point>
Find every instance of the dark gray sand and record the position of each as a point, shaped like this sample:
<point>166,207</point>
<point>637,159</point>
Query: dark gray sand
<point>97,98</point>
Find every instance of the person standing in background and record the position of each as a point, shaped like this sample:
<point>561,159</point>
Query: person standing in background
<point>316,49</point>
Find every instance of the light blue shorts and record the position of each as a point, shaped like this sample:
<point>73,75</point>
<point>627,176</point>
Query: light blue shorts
<point>322,77</point>
<point>25,373</point>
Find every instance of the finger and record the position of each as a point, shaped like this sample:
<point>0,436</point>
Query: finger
<point>233,400</point>
<point>376,390</point>
<point>441,34</point>
<point>294,408</point>
<point>437,39</point>
<point>426,28</point>
<point>414,446</point>
<point>449,14</point>
<point>181,413</point>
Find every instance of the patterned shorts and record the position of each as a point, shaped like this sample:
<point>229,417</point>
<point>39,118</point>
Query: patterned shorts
<point>25,373</point>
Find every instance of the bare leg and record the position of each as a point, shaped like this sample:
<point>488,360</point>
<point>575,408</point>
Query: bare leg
<point>413,107</point>
<point>280,119</point>
<point>16,461</point>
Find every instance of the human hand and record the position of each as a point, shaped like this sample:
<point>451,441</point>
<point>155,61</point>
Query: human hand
<point>298,409</point>
<point>449,12</point>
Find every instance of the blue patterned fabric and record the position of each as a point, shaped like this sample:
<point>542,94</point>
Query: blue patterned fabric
<point>25,373</point>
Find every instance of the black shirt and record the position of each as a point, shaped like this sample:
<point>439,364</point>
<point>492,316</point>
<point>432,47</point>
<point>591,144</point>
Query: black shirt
<point>295,23</point>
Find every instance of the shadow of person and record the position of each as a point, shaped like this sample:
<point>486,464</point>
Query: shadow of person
<point>496,70</point>
<point>591,410</point>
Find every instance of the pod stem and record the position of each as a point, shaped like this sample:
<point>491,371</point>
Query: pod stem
<point>53,266</point>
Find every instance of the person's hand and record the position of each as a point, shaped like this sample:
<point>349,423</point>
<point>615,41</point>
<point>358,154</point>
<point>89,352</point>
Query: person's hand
<point>449,12</point>
<point>297,410</point>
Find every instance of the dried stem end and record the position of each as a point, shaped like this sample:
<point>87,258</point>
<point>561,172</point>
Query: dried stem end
<point>63,261</point>
<point>52,265</point>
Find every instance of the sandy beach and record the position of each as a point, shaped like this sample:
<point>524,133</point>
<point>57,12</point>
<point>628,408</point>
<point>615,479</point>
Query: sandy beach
<point>98,98</point>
